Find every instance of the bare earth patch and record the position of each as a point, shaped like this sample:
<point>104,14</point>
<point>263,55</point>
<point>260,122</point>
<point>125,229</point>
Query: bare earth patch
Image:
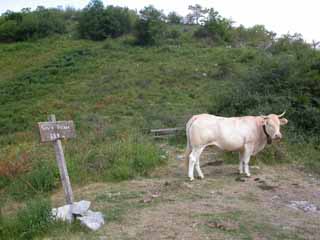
<point>168,206</point>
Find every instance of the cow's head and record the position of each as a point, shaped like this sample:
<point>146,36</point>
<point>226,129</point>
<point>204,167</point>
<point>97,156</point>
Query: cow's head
<point>272,123</point>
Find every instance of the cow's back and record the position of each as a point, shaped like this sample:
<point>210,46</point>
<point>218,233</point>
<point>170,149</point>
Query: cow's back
<point>227,133</point>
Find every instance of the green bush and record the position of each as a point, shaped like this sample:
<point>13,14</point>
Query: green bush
<point>216,28</point>
<point>30,25</point>
<point>97,22</point>
<point>174,18</point>
<point>256,36</point>
<point>151,28</point>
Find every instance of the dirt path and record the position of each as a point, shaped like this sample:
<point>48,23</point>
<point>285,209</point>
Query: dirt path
<point>222,206</point>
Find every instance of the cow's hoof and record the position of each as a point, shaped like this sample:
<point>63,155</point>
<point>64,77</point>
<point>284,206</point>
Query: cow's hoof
<point>191,179</point>
<point>240,179</point>
<point>248,176</point>
<point>200,177</point>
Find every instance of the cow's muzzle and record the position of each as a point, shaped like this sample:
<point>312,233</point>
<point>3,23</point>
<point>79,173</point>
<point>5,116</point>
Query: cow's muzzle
<point>277,136</point>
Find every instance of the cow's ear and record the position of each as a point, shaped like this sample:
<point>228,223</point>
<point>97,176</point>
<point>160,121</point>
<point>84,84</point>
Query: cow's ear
<point>283,121</point>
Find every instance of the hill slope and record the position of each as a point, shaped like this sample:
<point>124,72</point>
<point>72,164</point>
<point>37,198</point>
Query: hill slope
<point>114,92</point>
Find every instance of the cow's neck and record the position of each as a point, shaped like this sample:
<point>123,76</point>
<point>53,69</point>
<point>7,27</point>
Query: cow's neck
<point>269,139</point>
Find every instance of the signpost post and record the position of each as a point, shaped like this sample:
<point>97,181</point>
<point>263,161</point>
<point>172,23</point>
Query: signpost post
<point>53,131</point>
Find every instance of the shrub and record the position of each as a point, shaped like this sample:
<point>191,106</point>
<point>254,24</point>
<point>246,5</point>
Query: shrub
<point>97,22</point>
<point>256,36</point>
<point>174,18</point>
<point>150,29</point>
<point>119,21</point>
<point>91,24</point>
<point>216,28</point>
<point>27,25</point>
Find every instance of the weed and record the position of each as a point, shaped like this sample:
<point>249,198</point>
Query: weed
<point>30,221</point>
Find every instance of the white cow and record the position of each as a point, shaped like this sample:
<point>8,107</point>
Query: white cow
<point>247,135</point>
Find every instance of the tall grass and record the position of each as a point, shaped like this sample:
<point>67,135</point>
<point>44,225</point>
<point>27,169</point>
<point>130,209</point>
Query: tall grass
<point>30,221</point>
<point>121,159</point>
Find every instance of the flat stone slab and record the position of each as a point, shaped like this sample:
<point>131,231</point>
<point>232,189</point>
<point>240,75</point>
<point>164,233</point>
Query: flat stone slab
<point>81,207</point>
<point>63,213</point>
<point>92,220</point>
<point>79,210</point>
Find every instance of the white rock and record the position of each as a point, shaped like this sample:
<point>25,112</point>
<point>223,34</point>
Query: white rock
<point>63,213</point>
<point>80,208</point>
<point>303,205</point>
<point>93,220</point>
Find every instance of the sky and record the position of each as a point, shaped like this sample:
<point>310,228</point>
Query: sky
<point>280,16</point>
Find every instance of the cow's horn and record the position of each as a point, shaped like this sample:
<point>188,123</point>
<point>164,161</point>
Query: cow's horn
<point>282,114</point>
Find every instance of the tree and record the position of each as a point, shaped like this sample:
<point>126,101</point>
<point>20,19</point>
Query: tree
<point>117,21</point>
<point>97,22</point>
<point>91,21</point>
<point>174,18</point>
<point>217,28</point>
<point>197,13</point>
<point>151,28</point>
<point>27,24</point>
<point>256,36</point>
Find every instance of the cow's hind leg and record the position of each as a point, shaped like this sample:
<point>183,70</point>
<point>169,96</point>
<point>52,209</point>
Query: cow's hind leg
<point>193,157</point>
<point>192,161</point>
<point>200,174</point>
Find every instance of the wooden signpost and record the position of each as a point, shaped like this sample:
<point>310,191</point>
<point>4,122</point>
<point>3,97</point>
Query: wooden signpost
<point>53,131</point>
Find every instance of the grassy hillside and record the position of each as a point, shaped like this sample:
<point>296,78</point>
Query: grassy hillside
<point>115,92</point>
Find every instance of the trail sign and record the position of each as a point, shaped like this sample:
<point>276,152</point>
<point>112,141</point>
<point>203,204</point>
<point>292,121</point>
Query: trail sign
<point>53,131</point>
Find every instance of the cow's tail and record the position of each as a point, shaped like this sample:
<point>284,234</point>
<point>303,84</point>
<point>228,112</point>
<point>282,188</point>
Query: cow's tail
<point>189,147</point>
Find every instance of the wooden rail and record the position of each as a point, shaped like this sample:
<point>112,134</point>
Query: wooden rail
<point>165,132</point>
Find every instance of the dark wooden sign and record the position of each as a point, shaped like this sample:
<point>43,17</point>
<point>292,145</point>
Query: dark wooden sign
<point>51,131</point>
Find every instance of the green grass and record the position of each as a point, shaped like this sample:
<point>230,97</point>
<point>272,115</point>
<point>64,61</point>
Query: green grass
<point>32,220</point>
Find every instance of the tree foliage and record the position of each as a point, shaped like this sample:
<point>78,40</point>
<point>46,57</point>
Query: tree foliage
<point>256,36</point>
<point>215,27</point>
<point>97,22</point>
<point>174,18</point>
<point>197,14</point>
<point>151,28</point>
<point>24,25</point>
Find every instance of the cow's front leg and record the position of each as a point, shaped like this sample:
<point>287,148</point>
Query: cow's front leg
<point>240,163</point>
<point>246,167</point>
<point>245,159</point>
